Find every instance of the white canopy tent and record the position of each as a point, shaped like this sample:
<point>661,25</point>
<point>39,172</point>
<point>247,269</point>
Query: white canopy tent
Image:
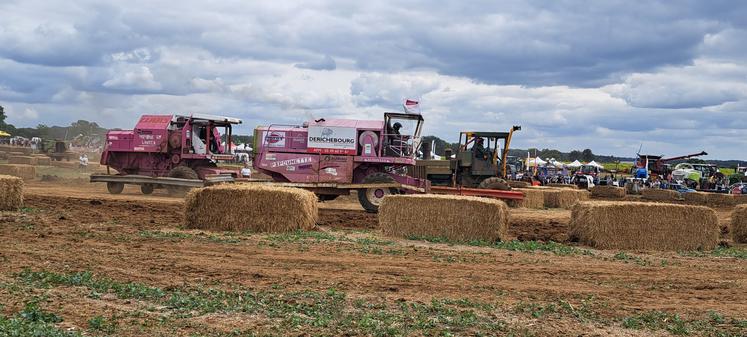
<point>535,162</point>
<point>575,163</point>
<point>556,163</point>
<point>595,164</point>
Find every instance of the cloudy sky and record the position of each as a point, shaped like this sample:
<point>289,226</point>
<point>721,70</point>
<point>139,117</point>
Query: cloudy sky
<point>611,75</point>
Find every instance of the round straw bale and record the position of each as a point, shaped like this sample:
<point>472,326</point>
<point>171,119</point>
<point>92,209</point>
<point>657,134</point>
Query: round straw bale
<point>660,194</point>
<point>25,160</point>
<point>641,225</point>
<point>532,199</point>
<point>564,197</point>
<point>25,172</point>
<point>251,207</point>
<point>11,193</point>
<point>456,218</point>
<point>739,224</point>
<point>607,191</point>
<point>563,186</point>
<point>518,184</point>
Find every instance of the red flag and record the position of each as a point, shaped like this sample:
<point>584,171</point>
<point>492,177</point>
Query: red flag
<point>412,106</point>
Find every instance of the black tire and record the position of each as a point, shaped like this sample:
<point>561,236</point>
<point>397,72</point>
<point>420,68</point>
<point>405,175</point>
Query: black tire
<point>326,197</point>
<point>494,183</point>
<point>146,188</point>
<point>115,188</point>
<point>370,198</point>
<point>182,172</point>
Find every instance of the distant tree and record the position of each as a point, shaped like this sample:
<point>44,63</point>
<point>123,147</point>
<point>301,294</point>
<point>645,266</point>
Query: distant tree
<point>574,155</point>
<point>3,126</point>
<point>696,161</point>
<point>587,155</point>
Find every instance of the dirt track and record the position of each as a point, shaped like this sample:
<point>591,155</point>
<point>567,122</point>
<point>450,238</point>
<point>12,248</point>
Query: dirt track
<point>135,238</point>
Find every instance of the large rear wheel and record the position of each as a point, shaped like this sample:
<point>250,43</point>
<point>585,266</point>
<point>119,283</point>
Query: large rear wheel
<point>370,198</point>
<point>182,172</point>
<point>494,183</point>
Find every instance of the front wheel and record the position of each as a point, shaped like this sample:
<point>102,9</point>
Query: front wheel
<point>115,188</point>
<point>371,198</point>
<point>182,172</point>
<point>146,189</point>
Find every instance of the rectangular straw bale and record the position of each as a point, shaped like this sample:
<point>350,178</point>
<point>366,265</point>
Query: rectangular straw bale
<point>696,197</point>
<point>720,200</point>
<point>11,193</point>
<point>740,199</point>
<point>4,148</point>
<point>25,172</point>
<point>660,194</point>
<point>532,199</point>
<point>564,197</point>
<point>518,184</point>
<point>3,155</point>
<point>574,187</point>
<point>46,161</point>
<point>456,218</point>
<point>16,153</point>
<point>641,225</point>
<point>253,207</point>
<point>739,224</point>
<point>607,191</point>
<point>65,164</point>
<point>25,160</point>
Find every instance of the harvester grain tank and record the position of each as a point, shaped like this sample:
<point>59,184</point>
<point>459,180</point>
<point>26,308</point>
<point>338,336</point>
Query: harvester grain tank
<point>172,151</point>
<point>333,156</point>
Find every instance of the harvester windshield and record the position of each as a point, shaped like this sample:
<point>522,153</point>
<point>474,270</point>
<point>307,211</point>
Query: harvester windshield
<point>402,135</point>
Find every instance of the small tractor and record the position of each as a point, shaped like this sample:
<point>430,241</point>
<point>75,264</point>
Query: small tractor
<point>331,157</point>
<point>479,162</point>
<point>177,152</point>
<point>58,150</point>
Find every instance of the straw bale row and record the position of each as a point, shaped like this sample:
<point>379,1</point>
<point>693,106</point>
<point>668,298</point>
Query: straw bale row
<point>564,197</point>
<point>255,208</point>
<point>660,194</point>
<point>456,218</point>
<point>641,225</point>
<point>574,187</point>
<point>25,172</point>
<point>25,160</point>
<point>23,151</point>
<point>518,184</point>
<point>607,191</point>
<point>532,199</point>
<point>739,224</point>
<point>43,160</point>
<point>11,193</point>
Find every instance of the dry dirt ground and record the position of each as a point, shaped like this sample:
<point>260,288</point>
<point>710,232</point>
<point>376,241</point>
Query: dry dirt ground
<point>78,261</point>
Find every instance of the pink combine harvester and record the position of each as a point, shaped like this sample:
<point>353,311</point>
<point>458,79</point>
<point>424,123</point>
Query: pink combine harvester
<point>176,152</point>
<point>334,156</point>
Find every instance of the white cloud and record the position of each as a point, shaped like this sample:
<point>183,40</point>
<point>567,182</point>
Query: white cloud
<point>132,78</point>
